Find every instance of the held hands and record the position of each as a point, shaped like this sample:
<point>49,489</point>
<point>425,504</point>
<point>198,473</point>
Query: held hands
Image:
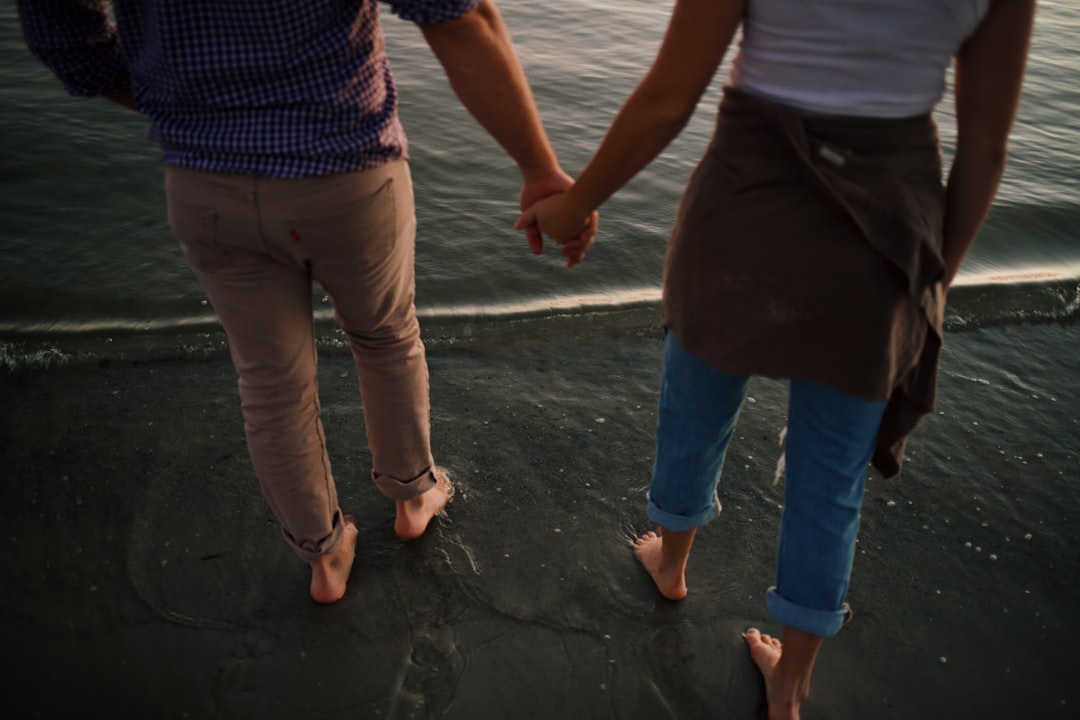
<point>555,217</point>
<point>536,188</point>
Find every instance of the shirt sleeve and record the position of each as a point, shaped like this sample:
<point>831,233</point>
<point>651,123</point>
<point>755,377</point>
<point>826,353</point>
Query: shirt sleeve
<point>427,12</point>
<point>75,40</point>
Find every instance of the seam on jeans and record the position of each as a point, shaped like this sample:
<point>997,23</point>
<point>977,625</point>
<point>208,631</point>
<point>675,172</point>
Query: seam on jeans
<point>781,464</point>
<point>324,458</point>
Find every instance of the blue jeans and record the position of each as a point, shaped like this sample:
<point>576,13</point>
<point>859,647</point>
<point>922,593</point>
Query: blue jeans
<point>830,438</point>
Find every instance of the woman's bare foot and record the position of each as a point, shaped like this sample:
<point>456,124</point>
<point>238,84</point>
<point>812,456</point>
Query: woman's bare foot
<point>786,687</point>
<point>664,556</point>
<point>414,515</point>
<point>330,572</point>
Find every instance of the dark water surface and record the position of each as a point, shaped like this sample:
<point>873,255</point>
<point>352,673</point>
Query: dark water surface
<point>87,251</point>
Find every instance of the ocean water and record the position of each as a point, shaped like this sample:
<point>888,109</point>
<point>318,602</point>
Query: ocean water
<point>89,259</point>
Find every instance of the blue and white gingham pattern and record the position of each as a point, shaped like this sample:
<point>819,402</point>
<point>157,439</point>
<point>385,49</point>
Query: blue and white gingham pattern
<point>285,88</point>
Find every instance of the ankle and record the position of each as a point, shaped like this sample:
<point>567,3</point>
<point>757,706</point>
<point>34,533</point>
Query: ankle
<point>790,684</point>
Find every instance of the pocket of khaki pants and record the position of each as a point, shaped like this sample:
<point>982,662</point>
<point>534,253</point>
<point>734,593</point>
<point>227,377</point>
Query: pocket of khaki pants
<point>196,229</point>
<point>357,232</point>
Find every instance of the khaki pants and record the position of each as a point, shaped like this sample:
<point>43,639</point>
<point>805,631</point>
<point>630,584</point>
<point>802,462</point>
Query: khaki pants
<point>256,244</point>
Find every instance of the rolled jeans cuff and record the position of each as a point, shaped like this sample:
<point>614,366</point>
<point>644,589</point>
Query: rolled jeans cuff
<point>822,623</point>
<point>680,523</point>
<point>401,490</point>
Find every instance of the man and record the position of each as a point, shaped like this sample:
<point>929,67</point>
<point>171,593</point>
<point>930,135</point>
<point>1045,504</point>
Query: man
<point>286,163</point>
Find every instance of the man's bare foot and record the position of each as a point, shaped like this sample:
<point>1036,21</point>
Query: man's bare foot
<point>783,695</point>
<point>669,576</point>
<point>330,572</point>
<point>414,515</point>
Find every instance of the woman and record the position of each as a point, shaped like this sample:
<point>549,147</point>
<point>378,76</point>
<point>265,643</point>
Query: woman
<point>815,242</point>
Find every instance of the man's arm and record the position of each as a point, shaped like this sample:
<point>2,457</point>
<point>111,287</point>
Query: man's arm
<point>77,42</point>
<point>989,73</point>
<point>479,59</point>
<point>478,55</point>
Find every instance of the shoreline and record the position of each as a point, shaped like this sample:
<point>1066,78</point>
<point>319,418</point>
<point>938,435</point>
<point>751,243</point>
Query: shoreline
<point>972,306</point>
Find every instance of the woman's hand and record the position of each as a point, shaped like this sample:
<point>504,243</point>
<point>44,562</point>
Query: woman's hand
<point>555,217</point>
<point>535,189</point>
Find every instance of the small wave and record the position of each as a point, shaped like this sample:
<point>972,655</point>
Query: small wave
<point>975,301</point>
<point>107,326</point>
<point>1004,298</point>
<point>14,356</point>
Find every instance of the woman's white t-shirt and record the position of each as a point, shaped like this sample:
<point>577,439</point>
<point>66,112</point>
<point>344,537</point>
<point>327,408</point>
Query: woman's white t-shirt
<point>875,58</point>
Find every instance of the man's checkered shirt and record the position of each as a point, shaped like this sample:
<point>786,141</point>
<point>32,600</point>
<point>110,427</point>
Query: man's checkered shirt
<point>285,88</point>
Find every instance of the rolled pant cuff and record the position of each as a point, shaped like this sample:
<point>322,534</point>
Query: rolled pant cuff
<point>680,523</point>
<point>309,551</point>
<point>822,623</point>
<point>401,490</point>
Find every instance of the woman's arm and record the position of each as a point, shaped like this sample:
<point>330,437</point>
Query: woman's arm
<point>697,37</point>
<point>989,73</point>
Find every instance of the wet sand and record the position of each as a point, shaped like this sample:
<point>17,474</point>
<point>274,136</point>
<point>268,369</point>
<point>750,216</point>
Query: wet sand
<point>143,575</point>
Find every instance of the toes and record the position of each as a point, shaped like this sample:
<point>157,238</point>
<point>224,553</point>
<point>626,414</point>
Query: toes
<point>755,637</point>
<point>762,646</point>
<point>764,650</point>
<point>646,538</point>
<point>442,480</point>
<point>769,640</point>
